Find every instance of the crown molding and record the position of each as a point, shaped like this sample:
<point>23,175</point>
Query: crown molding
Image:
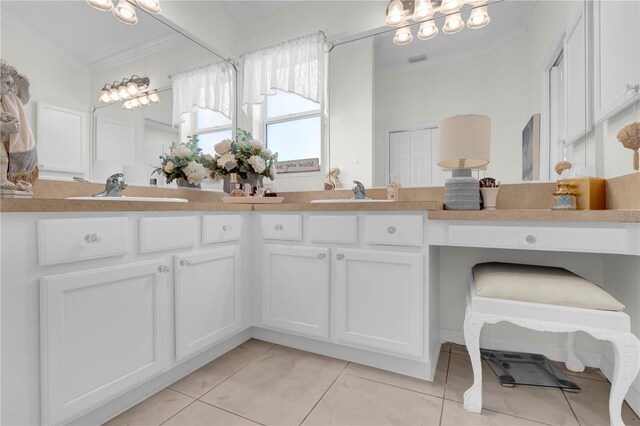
<point>19,27</point>
<point>136,52</point>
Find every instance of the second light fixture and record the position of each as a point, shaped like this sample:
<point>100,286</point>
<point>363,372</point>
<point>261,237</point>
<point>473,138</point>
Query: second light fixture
<point>124,11</point>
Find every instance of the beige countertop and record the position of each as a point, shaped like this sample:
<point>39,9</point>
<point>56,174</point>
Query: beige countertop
<point>540,215</point>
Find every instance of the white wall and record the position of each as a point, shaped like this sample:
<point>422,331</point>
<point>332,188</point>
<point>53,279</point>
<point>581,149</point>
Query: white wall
<point>613,158</point>
<point>54,80</point>
<point>351,111</point>
<point>492,84</point>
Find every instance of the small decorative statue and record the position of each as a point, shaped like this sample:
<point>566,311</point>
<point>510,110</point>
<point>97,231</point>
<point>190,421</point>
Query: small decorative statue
<point>629,137</point>
<point>332,181</point>
<point>18,158</point>
<point>561,166</point>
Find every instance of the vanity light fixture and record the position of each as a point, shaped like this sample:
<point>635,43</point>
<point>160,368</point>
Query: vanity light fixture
<point>142,100</point>
<point>125,11</point>
<point>400,12</point>
<point>122,90</point>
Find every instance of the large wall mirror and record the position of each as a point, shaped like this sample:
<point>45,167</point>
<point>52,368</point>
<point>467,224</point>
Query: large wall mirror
<point>559,66</point>
<point>69,51</point>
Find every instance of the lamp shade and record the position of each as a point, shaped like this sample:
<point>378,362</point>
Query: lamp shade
<point>464,141</point>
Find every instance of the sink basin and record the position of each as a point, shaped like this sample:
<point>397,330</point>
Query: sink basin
<point>350,201</point>
<point>147,199</point>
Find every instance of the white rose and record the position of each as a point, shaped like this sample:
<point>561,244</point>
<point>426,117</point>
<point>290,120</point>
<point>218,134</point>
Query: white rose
<point>268,152</point>
<point>223,146</point>
<point>169,167</point>
<point>255,144</point>
<point>257,163</point>
<point>274,171</point>
<point>180,151</point>
<point>208,157</point>
<point>228,161</point>
<point>195,172</point>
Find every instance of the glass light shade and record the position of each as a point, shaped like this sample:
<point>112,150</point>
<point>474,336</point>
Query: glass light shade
<point>453,24</point>
<point>122,91</point>
<point>449,6</point>
<point>127,105</point>
<point>151,6</point>
<point>479,18</point>
<point>395,14</point>
<point>403,36</point>
<point>422,10</point>
<point>153,96</point>
<point>428,30</point>
<point>115,96</point>
<point>105,5</point>
<point>105,97</point>
<point>132,88</point>
<point>135,103</point>
<point>144,100</point>
<point>125,13</point>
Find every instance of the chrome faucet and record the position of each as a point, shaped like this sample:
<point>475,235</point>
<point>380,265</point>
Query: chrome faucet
<point>358,191</point>
<point>114,186</point>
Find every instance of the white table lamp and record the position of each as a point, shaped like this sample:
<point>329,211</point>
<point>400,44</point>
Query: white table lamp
<point>463,145</point>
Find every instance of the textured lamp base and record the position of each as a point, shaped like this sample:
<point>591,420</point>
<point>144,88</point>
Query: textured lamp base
<point>462,191</point>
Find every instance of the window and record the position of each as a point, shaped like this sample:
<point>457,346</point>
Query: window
<point>293,126</point>
<point>211,127</point>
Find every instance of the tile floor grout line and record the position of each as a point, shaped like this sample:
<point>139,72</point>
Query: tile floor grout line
<point>564,394</point>
<point>181,393</point>
<point>444,388</point>
<point>179,411</point>
<point>231,412</point>
<point>325,392</point>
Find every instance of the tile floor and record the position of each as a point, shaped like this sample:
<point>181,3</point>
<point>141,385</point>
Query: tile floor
<point>262,383</point>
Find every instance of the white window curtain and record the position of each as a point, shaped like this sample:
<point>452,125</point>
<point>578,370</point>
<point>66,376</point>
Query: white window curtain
<point>206,87</point>
<point>294,66</point>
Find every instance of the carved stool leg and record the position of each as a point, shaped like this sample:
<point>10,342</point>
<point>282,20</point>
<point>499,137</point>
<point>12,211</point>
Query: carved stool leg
<point>627,364</point>
<point>473,396</point>
<point>572,362</point>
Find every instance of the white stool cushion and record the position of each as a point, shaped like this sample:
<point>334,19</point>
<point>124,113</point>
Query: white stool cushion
<point>540,284</point>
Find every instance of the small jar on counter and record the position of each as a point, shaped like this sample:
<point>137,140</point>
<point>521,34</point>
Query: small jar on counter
<point>563,199</point>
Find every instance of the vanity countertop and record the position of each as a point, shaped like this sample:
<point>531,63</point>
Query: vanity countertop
<point>540,215</point>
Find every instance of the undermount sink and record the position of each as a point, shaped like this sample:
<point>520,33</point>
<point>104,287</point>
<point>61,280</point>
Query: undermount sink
<point>352,200</point>
<point>123,198</point>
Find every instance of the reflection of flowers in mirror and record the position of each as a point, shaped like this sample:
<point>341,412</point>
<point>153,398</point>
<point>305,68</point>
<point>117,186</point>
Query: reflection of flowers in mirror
<point>184,160</point>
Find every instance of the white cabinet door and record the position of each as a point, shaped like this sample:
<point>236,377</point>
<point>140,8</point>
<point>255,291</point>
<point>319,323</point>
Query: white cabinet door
<point>102,331</point>
<point>616,60</point>
<point>380,300</point>
<point>295,294</point>
<point>575,81</point>
<point>207,298</point>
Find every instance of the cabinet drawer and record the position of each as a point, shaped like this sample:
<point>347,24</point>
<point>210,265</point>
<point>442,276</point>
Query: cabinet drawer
<point>71,240</point>
<point>597,240</point>
<point>394,230</point>
<point>333,229</point>
<point>220,228</point>
<point>282,227</point>
<point>166,233</point>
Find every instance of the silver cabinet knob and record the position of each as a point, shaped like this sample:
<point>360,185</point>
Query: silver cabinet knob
<point>185,262</point>
<point>391,230</point>
<point>321,256</point>
<point>339,256</point>
<point>630,89</point>
<point>531,239</point>
<point>226,228</point>
<point>163,269</point>
<point>278,227</point>
<point>92,238</point>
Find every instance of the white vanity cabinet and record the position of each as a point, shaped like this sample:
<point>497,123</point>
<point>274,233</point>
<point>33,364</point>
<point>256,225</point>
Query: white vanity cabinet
<point>208,298</point>
<point>295,289</point>
<point>102,332</point>
<point>616,67</point>
<point>380,300</point>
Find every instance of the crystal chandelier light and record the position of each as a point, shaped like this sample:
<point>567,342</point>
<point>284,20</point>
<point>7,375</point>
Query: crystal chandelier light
<point>124,11</point>
<point>399,12</point>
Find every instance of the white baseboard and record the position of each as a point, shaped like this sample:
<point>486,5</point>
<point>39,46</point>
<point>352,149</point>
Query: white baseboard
<point>632,397</point>
<point>589,359</point>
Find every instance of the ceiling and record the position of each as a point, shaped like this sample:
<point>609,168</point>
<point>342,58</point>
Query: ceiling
<point>88,36</point>
<point>509,18</point>
<point>245,10</point>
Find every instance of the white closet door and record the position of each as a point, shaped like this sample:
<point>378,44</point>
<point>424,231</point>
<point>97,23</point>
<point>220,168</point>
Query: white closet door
<point>400,156</point>
<point>420,158</point>
<point>575,83</point>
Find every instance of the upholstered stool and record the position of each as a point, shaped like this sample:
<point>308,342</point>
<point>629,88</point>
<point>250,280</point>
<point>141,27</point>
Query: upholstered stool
<point>549,299</point>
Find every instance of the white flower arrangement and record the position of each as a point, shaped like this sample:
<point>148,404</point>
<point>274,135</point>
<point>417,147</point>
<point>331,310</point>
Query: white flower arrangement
<point>183,161</point>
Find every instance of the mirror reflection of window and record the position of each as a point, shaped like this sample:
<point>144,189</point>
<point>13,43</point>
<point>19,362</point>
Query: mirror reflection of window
<point>293,127</point>
<point>210,126</point>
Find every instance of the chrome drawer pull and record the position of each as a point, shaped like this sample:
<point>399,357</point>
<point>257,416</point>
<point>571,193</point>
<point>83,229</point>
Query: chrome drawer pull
<point>163,269</point>
<point>630,89</point>
<point>340,256</point>
<point>185,262</point>
<point>391,230</point>
<point>531,239</point>
<point>92,238</point>
<point>321,256</point>
<point>278,227</point>
<point>226,228</point>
